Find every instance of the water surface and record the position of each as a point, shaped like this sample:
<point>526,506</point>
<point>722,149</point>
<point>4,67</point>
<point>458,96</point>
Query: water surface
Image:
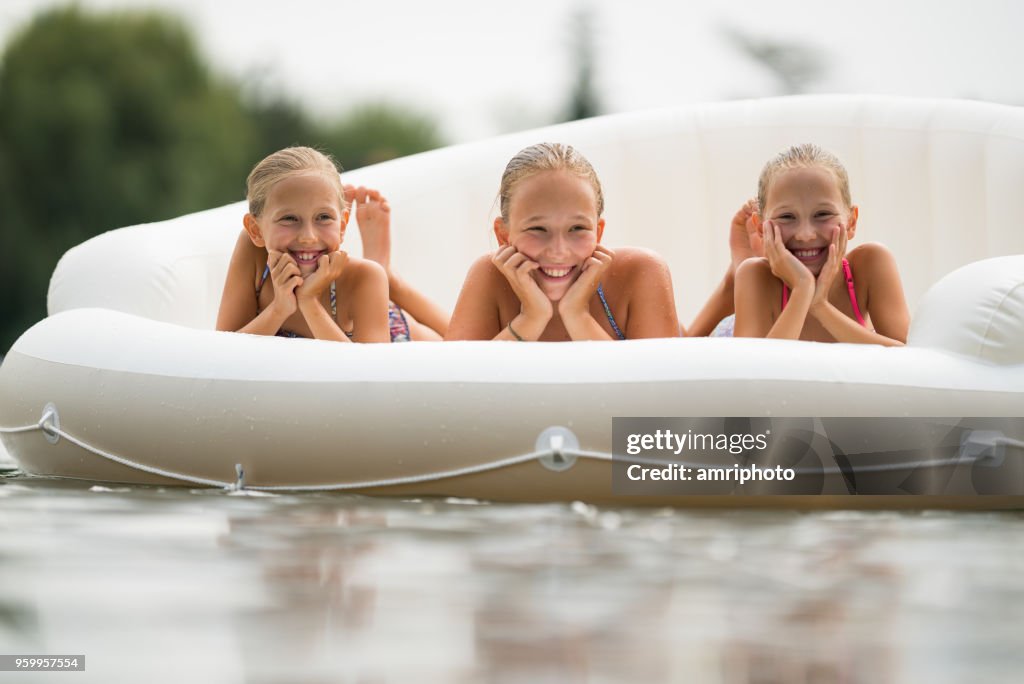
<point>175,585</point>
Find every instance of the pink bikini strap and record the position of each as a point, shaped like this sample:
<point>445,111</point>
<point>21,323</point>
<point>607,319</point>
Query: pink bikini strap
<point>853,293</point>
<point>849,288</point>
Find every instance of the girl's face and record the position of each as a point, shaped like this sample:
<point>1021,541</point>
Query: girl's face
<point>552,219</point>
<point>301,217</point>
<point>805,204</point>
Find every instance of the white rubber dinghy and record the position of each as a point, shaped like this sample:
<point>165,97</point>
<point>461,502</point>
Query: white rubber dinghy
<point>126,380</point>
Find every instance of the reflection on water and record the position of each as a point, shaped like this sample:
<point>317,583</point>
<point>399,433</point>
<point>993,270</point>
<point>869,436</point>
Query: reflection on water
<point>174,585</point>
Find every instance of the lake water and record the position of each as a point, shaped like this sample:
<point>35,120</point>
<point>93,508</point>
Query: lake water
<point>167,585</point>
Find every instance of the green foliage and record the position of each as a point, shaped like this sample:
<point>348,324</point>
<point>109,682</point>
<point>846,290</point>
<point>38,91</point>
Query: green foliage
<point>378,131</point>
<point>106,121</point>
<point>113,119</point>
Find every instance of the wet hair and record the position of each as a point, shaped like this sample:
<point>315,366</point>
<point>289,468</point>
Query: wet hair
<point>291,161</point>
<point>800,157</point>
<point>546,157</point>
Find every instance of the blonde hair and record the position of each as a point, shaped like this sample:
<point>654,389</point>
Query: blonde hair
<point>291,161</point>
<point>546,157</point>
<point>798,157</point>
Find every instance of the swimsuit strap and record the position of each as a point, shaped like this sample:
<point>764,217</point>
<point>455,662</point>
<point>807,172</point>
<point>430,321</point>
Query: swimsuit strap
<point>853,293</point>
<point>608,313</point>
<point>849,288</point>
<point>263,279</point>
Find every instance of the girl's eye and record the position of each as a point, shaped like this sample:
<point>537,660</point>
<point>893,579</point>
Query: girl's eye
<point>784,217</point>
<point>576,228</point>
<point>825,215</point>
<point>287,218</point>
<point>536,228</point>
<point>325,217</point>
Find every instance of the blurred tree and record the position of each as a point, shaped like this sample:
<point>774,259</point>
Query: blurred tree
<point>279,124</point>
<point>377,131</point>
<point>795,65</point>
<point>107,120</point>
<point>583,99</point>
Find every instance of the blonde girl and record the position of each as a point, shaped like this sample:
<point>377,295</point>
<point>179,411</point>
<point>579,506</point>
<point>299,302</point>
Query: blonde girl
<point>551,279</point>
<point>807,286</point>
<point>288,275</point>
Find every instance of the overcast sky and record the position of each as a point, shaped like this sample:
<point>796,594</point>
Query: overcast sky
<point>484,67</point>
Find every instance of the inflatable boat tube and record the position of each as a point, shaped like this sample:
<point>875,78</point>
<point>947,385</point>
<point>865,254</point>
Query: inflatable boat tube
<point>126,381</point>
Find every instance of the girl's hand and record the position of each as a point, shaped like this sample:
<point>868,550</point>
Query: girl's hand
<point>828,272</point>
<point>577,299</point>
<point>744,242</point>
<point>517,267</point>
<point>284,273</point>
<point>785,266</point>
<point>328,269</point>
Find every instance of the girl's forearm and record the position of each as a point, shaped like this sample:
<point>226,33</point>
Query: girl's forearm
<point>320,322</point>
<point>584,326</point>
<point>268,322</point>
<point>523,328</point>
<point>791,321</point>
<point>845,329</point>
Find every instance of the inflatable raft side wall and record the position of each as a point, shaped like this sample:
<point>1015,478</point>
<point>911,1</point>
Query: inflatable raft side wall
<point>935,180</point>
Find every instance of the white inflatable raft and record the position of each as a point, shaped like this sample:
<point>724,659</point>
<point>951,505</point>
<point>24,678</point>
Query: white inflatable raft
<point>126,381</point>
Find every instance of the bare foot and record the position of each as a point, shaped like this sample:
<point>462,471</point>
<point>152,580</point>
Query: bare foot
<point>374,217</point>
<point>744,242</point>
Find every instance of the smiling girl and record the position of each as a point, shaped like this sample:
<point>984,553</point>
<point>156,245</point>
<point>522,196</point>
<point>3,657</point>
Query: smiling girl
<point>551,279</point>
<point>806,286</point>
<point>288,275</point>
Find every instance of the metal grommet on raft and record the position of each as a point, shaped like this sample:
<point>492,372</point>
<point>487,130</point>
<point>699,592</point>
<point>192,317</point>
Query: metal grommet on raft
<point>561,444</point>
<point>49,423</point>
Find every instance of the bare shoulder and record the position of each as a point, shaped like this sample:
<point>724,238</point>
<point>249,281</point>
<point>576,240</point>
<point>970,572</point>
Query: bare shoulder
<point>870,258</point>
<point>483,267</point>
<point>359,273</point>
<point>637,256</point>
<point>484,276</point>
<point>754,270</point>
<point>631,263</point>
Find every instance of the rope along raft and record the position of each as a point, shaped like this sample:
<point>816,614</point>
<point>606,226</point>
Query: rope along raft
<point>561,454</point>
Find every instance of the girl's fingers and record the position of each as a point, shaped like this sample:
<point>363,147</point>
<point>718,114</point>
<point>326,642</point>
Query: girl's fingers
<point>503,254</point>
<point>603,254</point>
<point>526,267</point>
<point>515,261</point>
